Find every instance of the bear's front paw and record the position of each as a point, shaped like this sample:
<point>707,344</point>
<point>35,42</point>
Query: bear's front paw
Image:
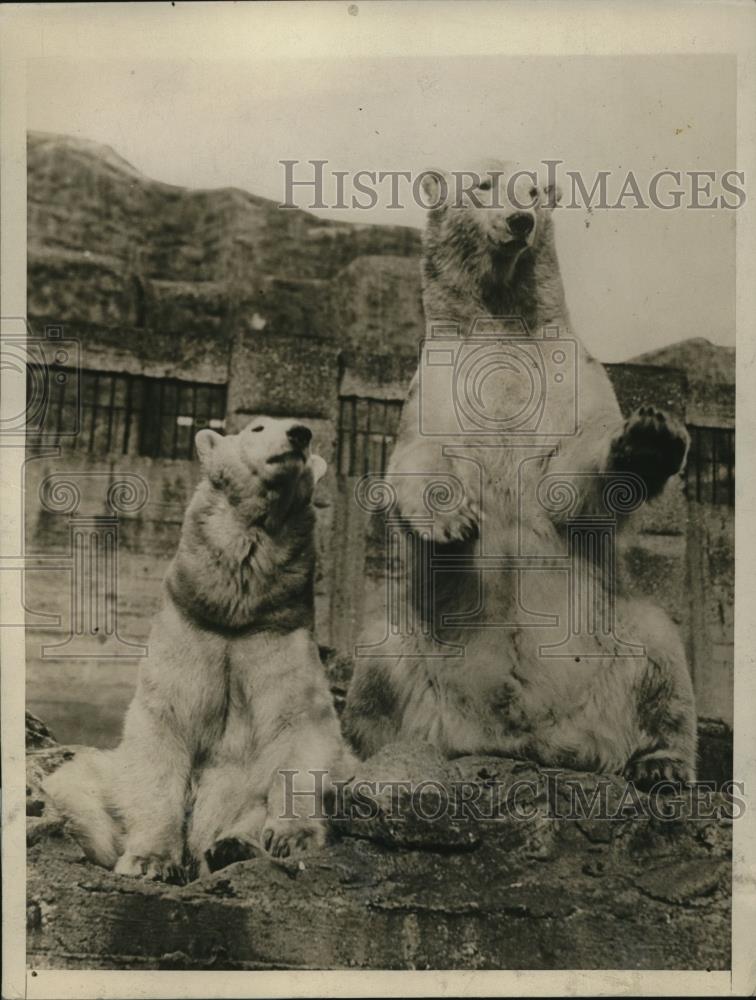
<point>652,445</point>
<point>227,851</point>
<point>437,508</point>
<point>284,837</point>
<point>645,772</point>
<point>150,867</point>
<point>460,525</point>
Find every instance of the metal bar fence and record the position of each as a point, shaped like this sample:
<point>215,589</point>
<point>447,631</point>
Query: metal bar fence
<point>366,434</point>
<point>710,469</point>
<point>119,413</point>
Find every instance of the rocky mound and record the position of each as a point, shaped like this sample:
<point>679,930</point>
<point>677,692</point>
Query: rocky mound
<point>524,876</point>
<point>701,360</point>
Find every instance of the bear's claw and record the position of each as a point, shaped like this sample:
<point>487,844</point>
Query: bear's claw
<point>150,867</point>
<point>645,772</point>
<point>282,838</point>
<point>227,851</point>
<point>652,445</point>
<point>460,525</point>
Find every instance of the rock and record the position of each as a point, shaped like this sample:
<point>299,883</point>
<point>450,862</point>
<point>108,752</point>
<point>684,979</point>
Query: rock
<point>37,733</point>
<point>403,797</point>
<point>517,882</point>
<point>43,755</point>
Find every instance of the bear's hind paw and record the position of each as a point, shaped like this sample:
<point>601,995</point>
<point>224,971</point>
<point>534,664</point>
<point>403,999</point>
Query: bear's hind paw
<point>283,838</point>
<point>150,867</point>
<point>646,772</point>
<point>227,851</point>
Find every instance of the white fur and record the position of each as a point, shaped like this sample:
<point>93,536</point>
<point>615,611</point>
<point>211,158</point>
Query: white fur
<point>233,691</point>
<point>504,694</point>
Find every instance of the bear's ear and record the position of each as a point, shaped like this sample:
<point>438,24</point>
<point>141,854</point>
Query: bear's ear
<point>435,184</point>
<point>205,441</point>
<point>319,467</point>
<point>551,195</point>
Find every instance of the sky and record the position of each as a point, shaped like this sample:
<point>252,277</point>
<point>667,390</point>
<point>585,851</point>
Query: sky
<point>636,279</point>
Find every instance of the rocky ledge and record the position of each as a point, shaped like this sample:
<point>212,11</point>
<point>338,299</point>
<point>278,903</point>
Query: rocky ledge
<point>474,863</point>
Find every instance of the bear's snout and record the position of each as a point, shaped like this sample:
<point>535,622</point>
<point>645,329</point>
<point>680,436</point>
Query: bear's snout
<point>299,436</point>
<point>520,224</point>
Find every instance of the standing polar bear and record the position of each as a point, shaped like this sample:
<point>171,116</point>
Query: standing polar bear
<point>232,701</point>
<point>512,468</point>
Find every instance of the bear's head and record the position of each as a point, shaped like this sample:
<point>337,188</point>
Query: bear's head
<point>264,471</point>
<point>483,221</point>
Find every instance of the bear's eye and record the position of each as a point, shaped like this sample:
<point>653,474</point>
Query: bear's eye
<point>484,185</point>
<point>256,430</point>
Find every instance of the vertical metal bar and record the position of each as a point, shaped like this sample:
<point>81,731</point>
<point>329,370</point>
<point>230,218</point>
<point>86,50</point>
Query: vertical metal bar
<point>731,466</point>
<point>94,409</point>
<point>194,419</point>
<point>384,436</point>
<point>353,436</point>
<point>697,436</point>
<point>61,398</point>
<point>127,428</point>
<point>175,420</point>
<point>159,450</point>
<point>367,452</point>
<point>111,406</point>
<point>714,432</point>
<point>340,439</point>
<point>144,414</point>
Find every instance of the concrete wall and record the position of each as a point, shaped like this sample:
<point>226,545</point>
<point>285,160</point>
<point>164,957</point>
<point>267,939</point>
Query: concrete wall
<point>710,559</point>
<point>679,554</point>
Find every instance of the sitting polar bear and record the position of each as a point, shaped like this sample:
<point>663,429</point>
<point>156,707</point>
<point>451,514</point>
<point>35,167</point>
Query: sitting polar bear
<point>232,696</point>
<point>512,468</point>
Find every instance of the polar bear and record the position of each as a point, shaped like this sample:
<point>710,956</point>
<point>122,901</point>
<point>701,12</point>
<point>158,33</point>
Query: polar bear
<point>232,701</point>
<point>512,470</point>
